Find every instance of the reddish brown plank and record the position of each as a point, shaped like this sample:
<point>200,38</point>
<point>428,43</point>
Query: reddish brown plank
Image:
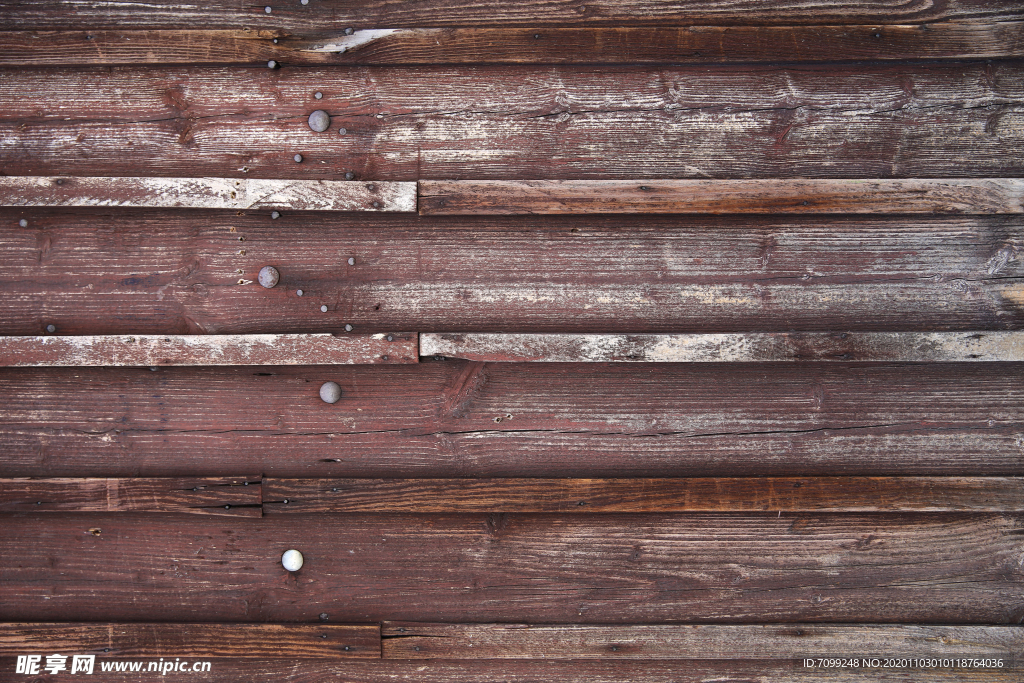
<point>405,640</point>
<point>601,569</point>
<point>380,13</point>
<point>233,349</point>
<point>234,496</point>
<point>547,45</point>
<point>790,494</point>
<point>733,348</point>
<point>544,122</point>
<point>459,419</point>
<point>135,272</point>
<point>306,641</point>
<point>767,196</point>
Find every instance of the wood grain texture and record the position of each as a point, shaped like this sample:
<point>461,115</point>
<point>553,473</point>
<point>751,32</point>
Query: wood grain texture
<point>404,640</point>
<point>629,44</point>
<point>544,122</point>
<point>732,348</point>
<point>602,569</point>
<point>232,496</point>
<point>767,196</point>
<point>306,641</point>
<point>37,14</point>
<point>132,272</point>
<point>231,349</point>
<point>207,193</point>
<point>459,419</point>
<point>790,494</point>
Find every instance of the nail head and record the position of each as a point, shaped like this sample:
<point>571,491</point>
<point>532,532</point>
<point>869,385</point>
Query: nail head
<point>348,328</point>
<point>298,158</point>
<point>292,560</point>
<point>298,292</point>
<point>269,277</point>
<point>330,392</point>
<point>23,223</point>
<point>349,31</point>
<point>271,64</point>
<point>342,131</point>
<point>323,309</point>
<point>275,214</point>
<point>349,175</point>
<point>319,95</point>
<point>268,9</point>
<point>351,261</point>
<point>319,121</point>
<point>51,328</point>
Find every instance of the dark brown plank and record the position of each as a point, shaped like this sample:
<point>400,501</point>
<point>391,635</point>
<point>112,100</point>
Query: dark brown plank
<point>751,347</point>
<point>383,14</point>
<point>554,671</point>
<point>229,349</point>
<point>234,496</point>
<point>459,419</point>
<point>767,196</point>
<point>307,641</point>
<point>134,272</point>
<point>547,45</point>
<point>404,640</point>
<point>550,122</point>
<point>602,569</point>
<point>790,494</point>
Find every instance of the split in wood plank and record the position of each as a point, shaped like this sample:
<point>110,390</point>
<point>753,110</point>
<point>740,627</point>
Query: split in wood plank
<point>233,496</point>
<point>725,494</point>
<point>913,347</point>
<point>542,45</point>
<point>85,14</point>
<point>768,196</point>
<point>198,349</point>
<point>207,193</point>
<point>789,641</point>
<point>306,641</point>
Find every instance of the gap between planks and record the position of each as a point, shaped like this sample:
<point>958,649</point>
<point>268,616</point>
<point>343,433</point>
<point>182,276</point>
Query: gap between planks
<point>539,45</point>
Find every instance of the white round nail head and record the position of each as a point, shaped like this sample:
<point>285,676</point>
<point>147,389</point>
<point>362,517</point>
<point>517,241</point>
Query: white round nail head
<point>269,277</point>
<point>319,121</point>
<point>292,560</point>
<point>330,392</point>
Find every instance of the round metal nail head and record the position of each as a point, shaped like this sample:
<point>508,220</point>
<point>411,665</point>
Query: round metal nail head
<point>269,277</point>
<point>292,560</point>
<point>323,309</point>
<point>23,223</point>
<point>51,328</point>
<point>275,214</point>
<point>319,121</point>
<point>330,392</point>
<point>297,158</point>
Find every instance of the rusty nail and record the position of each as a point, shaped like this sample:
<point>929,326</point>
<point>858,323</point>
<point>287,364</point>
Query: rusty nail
<point>351,261</point>
<point>342,131</point>
<point>272,64</point>
<point>275,214</point>
<point>268,9</point>
<point>390,338</point>
<point>348,328</point>
<point>298,292</point>
<point>323,309</point>
<point>318,95</point>
<point>298,158</point>
<point>23,223</point>
<point>51,328</point>
<point>319,121</point>
<point>292,560</point>
<point>269,277</point>
<point>349,31</point>
<point>330,392</point>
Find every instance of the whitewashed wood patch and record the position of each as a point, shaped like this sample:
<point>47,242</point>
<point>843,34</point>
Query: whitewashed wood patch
<point>733,348</point>
<point>228,349</point>
<point>208,193</point>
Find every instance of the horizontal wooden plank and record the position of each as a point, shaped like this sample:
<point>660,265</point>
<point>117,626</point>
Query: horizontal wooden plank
<point>195,349</point>
<point>207,193</point>
<point>380,13</point>
<point>732,348</point>
<point>234,496</point>
<point>767,196</point>
<point>404,640</point>
<point>790,494</point>
<point>306,641</point>
<point>176,272</point>
<point>464,419</point>
<point>602,569</point>
<point>547,45</point>
<point>544,122</point>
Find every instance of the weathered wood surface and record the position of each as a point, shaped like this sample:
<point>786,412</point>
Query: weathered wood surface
<point>723,494</point>
<point>306,641</point>
<point>233,496</point>
<point>621,44</point>
<point>230,349</point>
<point>462,419</point>
<point>380,13</point>
<point>404,640</point>
<point>602,569</point>
<point>207,193</point>
<point>82,270</point>
<point>767,196</point>
<point>555,671</point>
<point>732,348</point>
<point>545,122</point>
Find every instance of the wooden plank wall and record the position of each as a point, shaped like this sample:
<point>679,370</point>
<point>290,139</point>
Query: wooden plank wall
<point>234,327</point>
